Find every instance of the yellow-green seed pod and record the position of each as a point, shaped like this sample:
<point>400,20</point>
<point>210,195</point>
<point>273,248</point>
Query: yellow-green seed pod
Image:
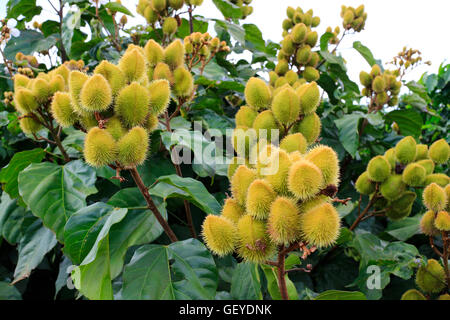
<point>414,175</point>
<point>159,96</point>
<point>257,94</point>
<point>311,74</point>
<point>232,210</point>
<point>393,187</point>
<point>162,71</point>
<point>281,82</point>
<point>76,82</point>
<point>62,109</point>
<point>290,12</point>
<point>447,192</point>
<point>170,26</point>
<point>20,81</point>
<point>235,163</point>
<point>150,15</point>
<point>113,74</point>
<point>348,17</point>
<point>158,5</point>
<point>431,278</point>
<point>378,84</point>
<point>405,150</point>
<point>63,71</point>
<point>294,142</point>
<point>286,106</point>
<point>41,90</point>
<point>183,82</point>
<point>100,148</point>
<point>88,121</point>
<point>96,94</point>
<point>132,104</point>
<point>310,127</point>
<point>276,170</point>
<point>174,54</point>
<point>273,77</point>
<point>153,52</point>
<point>428,165</point>
<point>25,101</point>
<point>132,147</point>
<point>29,124</point>
<point>381,98</point>
<point>245,116</point>
<point>305,179</point>
<point>152,122</point>
<point>413,294</point>
<point>243,140</point>
<point>176,4</point>
<point>364,185</point>
<point>401,208</point>
<point>439,151</point>
<point>445,296</point>
<point>325,158</point>
<point>133,65</point>
<point>254,243</point>
<point>260,196</point>
<point>284,221</point>
<point>390,157</point>
<point>315,21</point>
<point>378,169</point>
<point>282,67</point>
<point>427,224</point>
<point>287,45</point>
<point>442,221</point>
<point>115,128</point>
<point>303,55</point>
<point>314,59</point>
<point>421,152</point>
<point>365,79</point>
<point>240,182</point>
<point>440,179</point>
<point>376,70</point>
<point>291,77</point>
<point>220,234</point>
<point>434,197</point>
<point>57,83</point>
<point>320,225</point>
<point>309,98</point>
<point>299,33</point>
<point>264,124</point>
<point>311,38</point>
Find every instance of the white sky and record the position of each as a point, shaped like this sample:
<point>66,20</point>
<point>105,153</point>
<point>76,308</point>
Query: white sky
<point>391,24</point>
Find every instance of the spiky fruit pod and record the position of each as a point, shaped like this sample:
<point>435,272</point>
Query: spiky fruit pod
<point>364,185</point>
<point>243,140</point>
<point>434,197</point>
<point>421,152</point>
<point>261,152</point>
<point>176,4</point>
<point>174,54</point>
<point>303,55</point>
<point>62,109</point>
<point>325,158</point>
<point>320,225</point>
<point>440,179</point>
<point>133,65</point>
<point>100,148</point>
<point>311,74</point>
<point>431,278</point>
<point>282,67</point>
<point>294,142</point>
<point>376,70</point>
<point>291,77</point>
<point>428,165</point>
<point>170,26</point>
<point>159,96</point>
<point>159,5</point>
<point>63,71</point>
<point>150,15</point>
<point>401,208</point>
<point>306,206</point>
<point>299,33</point>
<point>309,98</point>
<point>276,170</point>
<point>427,224</point>
<point>314,59</point>
<point>41,90</point>
<point>240,182</point>
<point>260,196</point>
<point>254,244</point>
<point>378,169</point>
<point>132,104</point>
<point>378,84</point>
<point>257,94</point>
<point>442,221</point>
<point>439,151</point>
<point>25,101</point>
<point>151,123</point>
<point>281,82</point>
<point>414,175</point>
<point>76,82</point>
<point>389,155</point>
<point>220,234</point>
<point>132,147</point>
<point>348,17</point>
<point>315,21</point>
<point>153,52</point>
<point>447,192</point>
<point>295,156</point>
<point>183,82</point>
<point>88,121</point>
<point>20,81</point>
<point>232,210</point>
<point>305,179</point>
<point>112,74</point>
<point>273,77</point>
<point>287,45</point>
<point>29,124</point>
<point>365,79</point>
<point>162,71</point>
<point>284,221</point>
<point>235,163</point>
<point>381,98</point>
<point>96,94</point>
<point>413,294</point>
<point>444,297</point>
<point>393,187</point>
<point>56,84</point>
<point>286,106</point>
<point>245,116</point>
<point>115,128</point>
<point>310,127</point>
<point>264,124</point>
<point>311,38</point>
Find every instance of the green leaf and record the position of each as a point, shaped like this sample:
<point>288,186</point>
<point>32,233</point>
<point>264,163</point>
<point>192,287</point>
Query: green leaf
<point>9,292</point>
<point>409,121</point>
<point>117,7</point>
<point>246,283</point>
<point>272,284</point>
<point>71,22</point>
<point>12,219</point>
<point>324,39</point>
<point>27,8</point>
<point>348,132</point>
<point>20,160</point>
<point>341,295</point>
<point>28,42</point>
<point>53,192</point>
<point>365,53</point>
<point>228,9</point>
<point>331,58</point>
<point>405,228</point>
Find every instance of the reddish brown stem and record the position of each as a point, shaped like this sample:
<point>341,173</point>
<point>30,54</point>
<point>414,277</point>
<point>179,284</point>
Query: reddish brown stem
<point>281,274</point>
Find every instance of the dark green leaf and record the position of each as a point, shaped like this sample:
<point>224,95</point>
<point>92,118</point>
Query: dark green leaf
<point>409,121</point>
<point>405,228</point>
<point>245,283</point>
<point>348,132</point>
<point>117,7</point>
<point>228,9</point>
<point>9,292</point>
<point>28,42</point>
<point>27,8</point>
<point>365,53</point>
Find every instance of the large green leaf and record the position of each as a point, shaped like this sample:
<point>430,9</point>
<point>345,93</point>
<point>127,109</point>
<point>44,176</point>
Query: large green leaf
<point>341,295</point>
<point>365,53</point>
<point>405,228</point>
<point>9,292</point>
<point>29,42</point>
<point>409,121</point>
<point>54,192</point>
<point>348,132</point>
<point>246,283</point>
<point>26,8</point>
<point>117,7</point>
<point>228,9</point>
<point>14,219</point>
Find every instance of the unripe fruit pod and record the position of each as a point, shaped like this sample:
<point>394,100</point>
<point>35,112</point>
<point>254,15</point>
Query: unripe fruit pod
<point>260,196</point>
<point>290,12</point>
<point>309,98</point>
<point>320,225</point>
<point>20,81</point>
<point>299,33</point>
<point>235,163</point>
<point>257,94</point>
<point>439,151</point>
<point>276,171</point>
<point>434,197</point>
<point>153,52</point>
<point>366,79</point>
<point>25,101</point>
<point>115,128</point>
<point>282,67</point>
<point>174,54</point>
<point>41,90</point>
<point>427,224</point>
<point>132,147</point>
<point>133,65</point>
<point>29,125</point>
<point>112,74</point>
<point>56,84</point>
<point>273,77</point>
<point>311,38</point>
<point>405,150</point>
<point>381,98</point>
<point>159,5</point>
<point>62,109</point>
<point>440,179</point>
<point>88,121</point>
<point>132,104</point>
<point>232,210</point>
<point>421,152</point>
<point>281,82</point>
<point>96,94</point>
<point>286,106</point>
<point>414,175</point>
<point>447,192</point>
<point>325,158</point>
<point>376,71</point>
<point>183,83</point>
<point>428,165</point>
<point>245,116</point>
<point>286,24</point>
<point>310,127</point>
<point>311,74</point>
<point>240,182</point>
<point>314,59</point>
<point>264,124</point>
<point>291,77</point>
<point>390,157</point>
<point>287,45</point>
<point>364,185</point>
<point>298,17</point>
<point>176,4</point>
<point>284,221</point>
<point>159,96</point>
<point>170,26</point>
<point>378,169</point>
<point>348,17</point>
<point>442,221</point>
<point>219,234</point>
<point>359,10</point>
<point>431,278</point>
<point>294,142</point>
<point>305,179</point>
<point>378,84</point>
<point>444,297</point>
<point>162,72</point>
<point>307,19</point>
<point>100,148</point>
<point>76,82</point>
<point>254,243</point>
<point>401,208</point>
<point>315,21</point>
<point>393,187</point>
<point>413,294</point>
<point>303,55</point>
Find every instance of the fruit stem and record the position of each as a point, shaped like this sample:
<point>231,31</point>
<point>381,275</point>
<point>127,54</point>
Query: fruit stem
<point>281,273</point>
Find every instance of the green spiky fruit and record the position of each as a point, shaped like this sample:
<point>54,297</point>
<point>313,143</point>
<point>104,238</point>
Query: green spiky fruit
<point>220,234</point>
<point>132,104</point>
<point>115,128</point>
<point>150,15</point>
<point>254,244</point>
<point>401,208</point>
<point>41,90</point>
<point>132,147</point>
<point>159,5</point>
<point>29,124</point>
<point>170,26</point>
<point>421,152</point>
<point>311,38</point>
<point>393,187</point>
<point>439,151</point>
<point>348,17</point>
<point>442,221</point>
<point>176,4</point>
<point>427,164</point>
<point>303,55</point>
<point>88,121</point>
<point>232,210</point>
<point>447,192</point>
<point>133,65</point>
<point>20,81</point>
<point>431,278</point>
<point>376,70</point>
<point>96,94</point>
<point>243,140</point>
<point>76,82</point>
<point>153,52</point>
<point>112,74</point>
<point>25,101</point>
<point>183,82</point>
<point>245,116</point>
<point>325,158</point>
<point>100,148</point>
<point>427,224</point>
<point>314,59</point>
<point>309,98</point>
<point>57,83</point>
<point>240,182</point>
<point>315,21</point>
<point>152,122</point>
<point>378,169</point>
<point>63,71</point>
<point>291,77</point>
<point>364,185</point>
<point>305,179</point>
<point>264,124</point>
<point>390,157</point>
<point>174,54</point>
<point>311,74</point>
<point>299,33</point>
<point>62,109</point>
<point>234,164</point>
<point>414,175</point>
<point>405,150</point>
<point>378,84</point>
<point>434,197</point>
<point>273,77</point>
<point>257,94</point>
<point>381,98</point>
<point>159,96</point>
<point>284,221</point>
<point>440,179</point>
<point>320,225</point>
<point>286,106</point>
<point>162,71</point>
<point>282,67</point>
<point>276,170</point>
<point>260,196</point>
<point>310,127</point>
<point>413,294</point>
<point>287,45</point>
<point>294,142</point>
<point>365,79</point>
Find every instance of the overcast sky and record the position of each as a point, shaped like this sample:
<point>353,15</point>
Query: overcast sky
<point>391,24</point>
